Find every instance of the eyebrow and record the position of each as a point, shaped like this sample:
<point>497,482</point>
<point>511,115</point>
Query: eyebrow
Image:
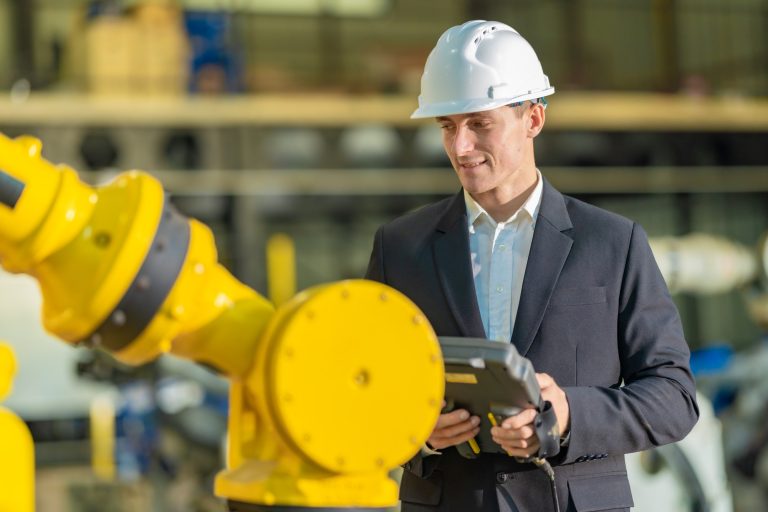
<point>475,115</point>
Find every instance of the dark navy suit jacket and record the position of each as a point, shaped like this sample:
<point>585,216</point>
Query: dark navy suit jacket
<point>594,313</point>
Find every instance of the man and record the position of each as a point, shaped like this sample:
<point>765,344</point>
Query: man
<point>574,287</point>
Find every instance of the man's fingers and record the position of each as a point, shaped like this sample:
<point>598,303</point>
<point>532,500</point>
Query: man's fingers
<point>555,395</point>
<point>544,380</point>
<point>515,443</point>
<point>456,430</point>
<point>452,418</point>
<point>444,442</point>
<point>516,434</point>
<point>519,420</point>
<point>501,435</point>
<point>515,451</point>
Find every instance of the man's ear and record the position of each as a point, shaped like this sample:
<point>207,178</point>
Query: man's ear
<point>535,120</point>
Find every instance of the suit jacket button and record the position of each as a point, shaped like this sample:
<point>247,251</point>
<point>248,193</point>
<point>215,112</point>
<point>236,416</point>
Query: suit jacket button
<point>501,478</point>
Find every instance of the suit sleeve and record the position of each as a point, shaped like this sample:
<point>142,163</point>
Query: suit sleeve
<point>375,270</point>
<point>656,404</point>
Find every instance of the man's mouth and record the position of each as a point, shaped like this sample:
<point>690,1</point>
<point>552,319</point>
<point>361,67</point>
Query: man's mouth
<point>471,165</point>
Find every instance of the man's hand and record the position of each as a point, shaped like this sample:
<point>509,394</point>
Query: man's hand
<point>552,393</point>
<point>517,435</point>
<point>453,428</point>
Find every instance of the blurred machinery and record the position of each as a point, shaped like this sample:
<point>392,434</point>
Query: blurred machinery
<point>311,383</point>
<point>705,264</point>
<point>688,476</point>
<point>701,263</point>
<point>141,51</point>
<point>738,387</point>
<point>692,475</point>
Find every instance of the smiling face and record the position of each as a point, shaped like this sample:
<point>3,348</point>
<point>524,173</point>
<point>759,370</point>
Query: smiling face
<point>492,151</point>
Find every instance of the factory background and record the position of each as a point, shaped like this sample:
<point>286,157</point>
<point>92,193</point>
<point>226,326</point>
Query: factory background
<point>263,117</point>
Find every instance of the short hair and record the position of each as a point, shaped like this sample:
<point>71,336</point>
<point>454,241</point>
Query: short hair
<point>521,106</point>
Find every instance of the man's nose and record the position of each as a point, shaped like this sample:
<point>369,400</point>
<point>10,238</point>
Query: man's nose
<point>463,141</point>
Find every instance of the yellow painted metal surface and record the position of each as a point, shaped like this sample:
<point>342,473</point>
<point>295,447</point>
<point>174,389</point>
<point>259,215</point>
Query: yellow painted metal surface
<point>17,471</point>
<point>83,245</point>
<point>281,268</point>
<point>102,421</point>
<point>208,316</point>
<point>42,183</point>
<point>330,392</point>
<point>7,369</point>
<point>332,409</point>
<point>86,246</point>
<point>353,377</point>
<point>82,283</point>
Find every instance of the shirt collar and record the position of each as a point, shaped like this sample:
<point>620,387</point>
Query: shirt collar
<point>531,204</point>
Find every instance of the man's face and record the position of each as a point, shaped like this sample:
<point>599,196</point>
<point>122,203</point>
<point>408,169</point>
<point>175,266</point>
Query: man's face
<point>491,150</point>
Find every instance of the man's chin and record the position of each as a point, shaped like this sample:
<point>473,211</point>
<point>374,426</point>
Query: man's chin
<point>474,189</point>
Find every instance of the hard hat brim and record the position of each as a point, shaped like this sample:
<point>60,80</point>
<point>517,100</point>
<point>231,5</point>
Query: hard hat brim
<point>450,108</point>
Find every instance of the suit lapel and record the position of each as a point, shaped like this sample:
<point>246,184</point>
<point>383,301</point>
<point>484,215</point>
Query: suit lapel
<point>454,268</point>
<point>549,250</point>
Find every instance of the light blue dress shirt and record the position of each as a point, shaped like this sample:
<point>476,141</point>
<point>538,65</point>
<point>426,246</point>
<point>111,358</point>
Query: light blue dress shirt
<point>499,253</point>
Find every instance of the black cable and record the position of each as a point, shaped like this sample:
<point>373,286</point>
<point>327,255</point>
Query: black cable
<point>547,468</point>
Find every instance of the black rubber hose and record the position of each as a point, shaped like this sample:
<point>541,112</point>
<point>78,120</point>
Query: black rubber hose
<point>10,189</point>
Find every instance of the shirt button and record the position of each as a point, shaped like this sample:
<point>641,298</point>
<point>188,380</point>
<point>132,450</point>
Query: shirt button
<point>502,247</point>
<point>499,289</point>
<point>501,478</point>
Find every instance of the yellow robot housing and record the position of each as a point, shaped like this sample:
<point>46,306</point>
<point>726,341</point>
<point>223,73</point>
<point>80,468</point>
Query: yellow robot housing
<point>320,411</point>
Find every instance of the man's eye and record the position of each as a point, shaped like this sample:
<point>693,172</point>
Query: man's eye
<point>481,124</point>
<point>446,127</point>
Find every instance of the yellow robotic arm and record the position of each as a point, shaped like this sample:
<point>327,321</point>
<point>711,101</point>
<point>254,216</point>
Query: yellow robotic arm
<point>329,392</point>
<point>17,473</point>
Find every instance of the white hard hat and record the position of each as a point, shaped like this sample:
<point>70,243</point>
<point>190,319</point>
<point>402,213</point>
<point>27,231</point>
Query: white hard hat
<point>480,65</point>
